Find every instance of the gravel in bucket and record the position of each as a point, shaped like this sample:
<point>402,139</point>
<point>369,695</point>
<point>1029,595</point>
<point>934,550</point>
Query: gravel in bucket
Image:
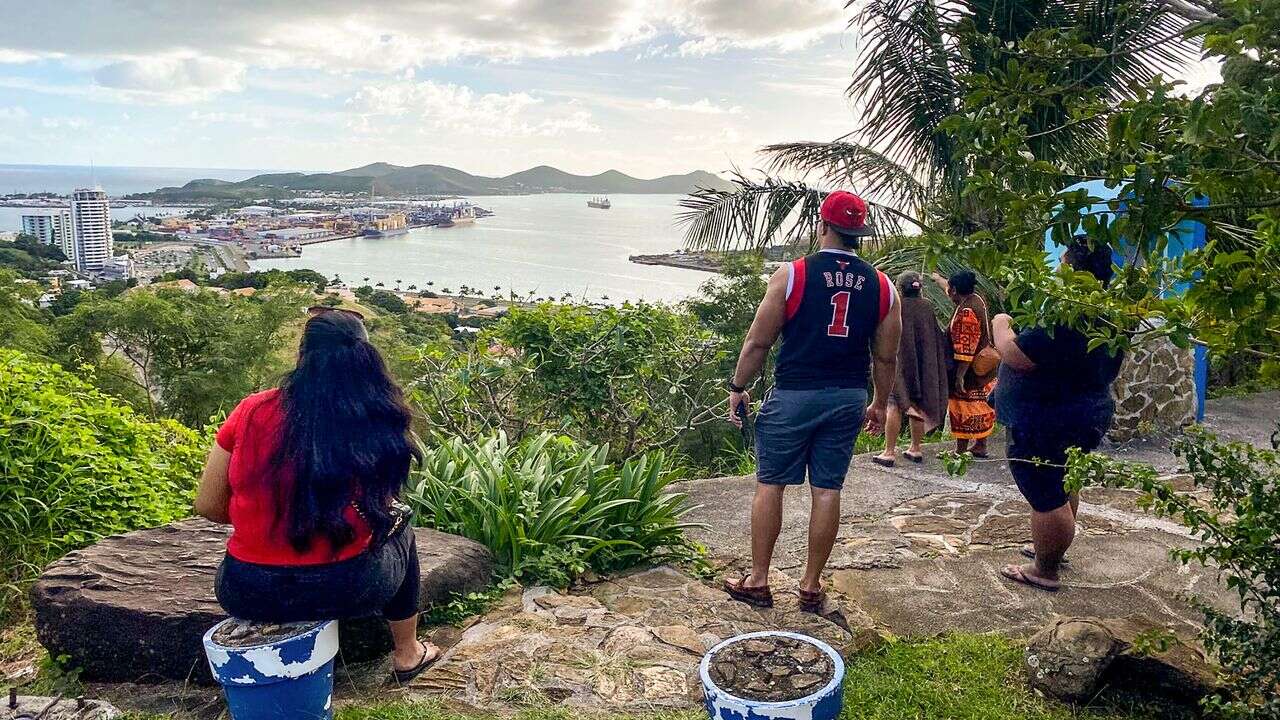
<point>771,669</point>
<point>238,633</point>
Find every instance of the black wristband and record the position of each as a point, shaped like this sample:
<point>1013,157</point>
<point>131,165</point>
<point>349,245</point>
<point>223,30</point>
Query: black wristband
<point>735,388</point>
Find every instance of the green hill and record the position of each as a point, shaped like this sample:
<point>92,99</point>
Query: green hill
<point>387,179</point>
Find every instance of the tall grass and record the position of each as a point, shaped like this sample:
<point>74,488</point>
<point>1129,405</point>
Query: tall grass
<point>549,508</point>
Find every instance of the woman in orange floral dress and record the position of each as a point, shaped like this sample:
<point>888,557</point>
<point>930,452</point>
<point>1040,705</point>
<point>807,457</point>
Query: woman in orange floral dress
<point>972,417</point>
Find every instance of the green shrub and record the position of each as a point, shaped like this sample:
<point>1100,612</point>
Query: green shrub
<point>1235,514</point>
<point>76,465</point>
<point>549,508</point>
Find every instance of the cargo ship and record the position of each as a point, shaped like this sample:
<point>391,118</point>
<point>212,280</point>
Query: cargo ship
<point>461,216</point>
<point>393,224</point>
<point>601,203</point>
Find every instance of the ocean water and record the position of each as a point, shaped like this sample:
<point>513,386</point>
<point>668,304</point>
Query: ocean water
<point>545,244</point>
<point>11,217</point>
<point>117,181</point>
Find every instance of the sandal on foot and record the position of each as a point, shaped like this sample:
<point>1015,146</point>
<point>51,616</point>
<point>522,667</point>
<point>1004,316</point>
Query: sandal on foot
<point>913,457</point>
<point>1029,551</point>
<point>757,596</point>
<point>1018,575</point>
<point>430,653</point>
<point>811,601</point>
<point>883,461</point>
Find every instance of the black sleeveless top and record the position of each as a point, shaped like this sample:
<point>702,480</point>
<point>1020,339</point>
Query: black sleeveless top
<point>835,302</point>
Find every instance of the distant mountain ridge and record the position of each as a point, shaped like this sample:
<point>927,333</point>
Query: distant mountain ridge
<point>393,180</point>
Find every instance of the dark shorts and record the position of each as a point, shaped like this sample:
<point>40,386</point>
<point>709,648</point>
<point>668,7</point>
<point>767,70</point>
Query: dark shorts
<point>1040,484</point>
<point>382,581</point>
<point>812,431</point>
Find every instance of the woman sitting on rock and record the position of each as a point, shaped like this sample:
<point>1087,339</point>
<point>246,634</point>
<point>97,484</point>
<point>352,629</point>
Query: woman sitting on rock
<point>308,475</point>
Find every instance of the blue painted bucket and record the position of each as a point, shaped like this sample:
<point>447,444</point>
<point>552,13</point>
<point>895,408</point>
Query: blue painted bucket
<point>825,704</point>
<point>288,678</point>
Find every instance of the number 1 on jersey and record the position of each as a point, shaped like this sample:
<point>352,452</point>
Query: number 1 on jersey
<point>839,326</point>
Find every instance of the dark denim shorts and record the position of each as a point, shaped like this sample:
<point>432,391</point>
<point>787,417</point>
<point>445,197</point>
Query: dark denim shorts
<point>808,430</point>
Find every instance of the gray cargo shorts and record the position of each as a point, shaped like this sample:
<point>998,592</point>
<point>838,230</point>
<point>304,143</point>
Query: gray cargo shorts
<point>808,430</point>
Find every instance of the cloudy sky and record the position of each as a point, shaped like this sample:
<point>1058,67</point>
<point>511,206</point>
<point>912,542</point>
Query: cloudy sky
<point>491,86</point>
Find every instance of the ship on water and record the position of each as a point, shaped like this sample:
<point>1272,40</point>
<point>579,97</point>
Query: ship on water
<point>601,203</point>
<point>462,214</point>
<point>386,226</point>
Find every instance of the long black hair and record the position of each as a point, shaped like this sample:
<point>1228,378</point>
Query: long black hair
<point>345,435</point>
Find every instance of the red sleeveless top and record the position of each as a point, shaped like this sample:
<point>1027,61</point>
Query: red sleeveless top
<point>258,520</point>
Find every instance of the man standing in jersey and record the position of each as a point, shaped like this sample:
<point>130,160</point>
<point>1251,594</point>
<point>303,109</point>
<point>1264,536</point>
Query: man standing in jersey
<point>835,312</point>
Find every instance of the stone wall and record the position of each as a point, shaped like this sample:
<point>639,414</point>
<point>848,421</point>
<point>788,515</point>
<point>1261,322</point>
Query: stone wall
<point>1155,392</point>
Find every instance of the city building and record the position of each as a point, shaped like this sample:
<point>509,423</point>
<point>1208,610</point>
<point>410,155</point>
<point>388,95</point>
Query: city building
<point>51,227</point>
<point>91,224</point>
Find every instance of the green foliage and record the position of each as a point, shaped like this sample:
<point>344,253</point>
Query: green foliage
<point>261,280</point>
<point>22,326</point>
<point>634,377</point>
<point>549,508</point>
<point>76,466</point>
<point>191,355</point>
<point>462,607</point>
<point>382,299</point>
<point>1233,509</point>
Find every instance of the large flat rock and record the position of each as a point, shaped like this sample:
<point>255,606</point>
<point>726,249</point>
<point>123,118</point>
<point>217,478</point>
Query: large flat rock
<point>133,607</point>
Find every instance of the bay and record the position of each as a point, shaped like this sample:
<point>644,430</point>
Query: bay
<point>117,181</point>
<point>548,245</point>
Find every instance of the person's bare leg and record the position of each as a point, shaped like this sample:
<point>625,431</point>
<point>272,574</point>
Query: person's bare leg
<point>892,429</point>
<point>408,650</point>
<point>980,446</point>
<point>1051,533</point>
<point>824,525</point>
<point>962,445</point>
<point>766,523</point>
<point>917,435</point>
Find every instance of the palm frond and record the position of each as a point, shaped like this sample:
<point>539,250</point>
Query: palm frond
<point>906,78</point>
<point>868,172</point>
<point>756,214</point>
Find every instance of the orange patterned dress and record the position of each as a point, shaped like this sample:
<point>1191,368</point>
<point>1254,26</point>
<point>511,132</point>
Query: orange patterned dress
<point>972,418</point>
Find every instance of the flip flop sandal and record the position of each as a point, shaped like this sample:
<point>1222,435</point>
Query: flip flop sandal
<point>429,657</point>
<point>919,459</point>
<point>883,462</point>
<point>812,602</point>
<point>757,596</point>
<point>1015,573</point>
<point>980,456</point>
<point>1029,552</point>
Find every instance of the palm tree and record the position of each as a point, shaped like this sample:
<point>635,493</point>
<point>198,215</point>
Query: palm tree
<point>907,79</point>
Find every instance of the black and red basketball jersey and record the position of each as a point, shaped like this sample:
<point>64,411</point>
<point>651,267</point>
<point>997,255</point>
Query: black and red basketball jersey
<point>835,302</point>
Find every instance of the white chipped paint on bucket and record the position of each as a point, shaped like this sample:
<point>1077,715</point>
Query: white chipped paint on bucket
<point>825,704</point>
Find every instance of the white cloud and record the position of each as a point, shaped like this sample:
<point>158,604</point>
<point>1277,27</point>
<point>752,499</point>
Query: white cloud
<point>171,79</point>
<point>16,112</point>
<point>458,107</point>
<point>215,118</point>
<point>67,123</point>
<point>23,56</point>
<point>701,107</point>
<point>392,35</point>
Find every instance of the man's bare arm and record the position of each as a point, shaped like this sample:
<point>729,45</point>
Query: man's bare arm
<point>884,351</point>
<point>764,331</point>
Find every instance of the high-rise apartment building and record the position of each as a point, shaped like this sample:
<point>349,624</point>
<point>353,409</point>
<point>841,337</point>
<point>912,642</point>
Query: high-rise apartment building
<point>51,227</point>
<point>91,222</point>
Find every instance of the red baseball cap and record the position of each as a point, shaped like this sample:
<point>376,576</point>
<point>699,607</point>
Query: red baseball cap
<point>846,213</point>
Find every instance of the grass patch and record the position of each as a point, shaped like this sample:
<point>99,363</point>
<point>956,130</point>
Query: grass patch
<point>433,711</point>
<point>961,677</point>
